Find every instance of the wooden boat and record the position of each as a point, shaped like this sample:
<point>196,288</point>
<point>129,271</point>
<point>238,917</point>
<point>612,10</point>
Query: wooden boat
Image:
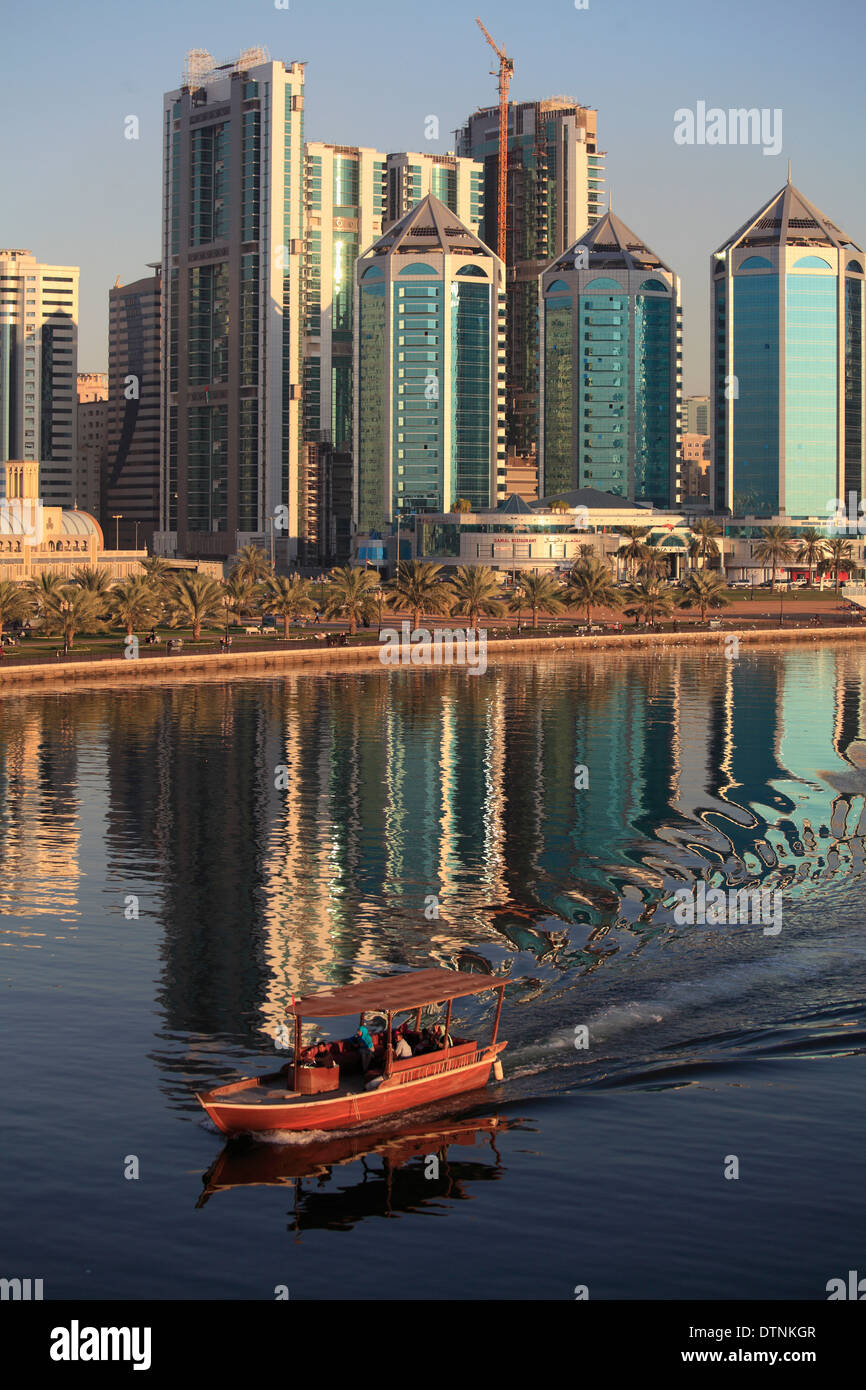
<point>324,1089</point>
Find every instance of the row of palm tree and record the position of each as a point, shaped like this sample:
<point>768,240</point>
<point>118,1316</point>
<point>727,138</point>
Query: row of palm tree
<point>776,548</point>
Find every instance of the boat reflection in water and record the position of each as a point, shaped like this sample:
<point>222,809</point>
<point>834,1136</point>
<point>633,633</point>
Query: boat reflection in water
<point>403,1169</point>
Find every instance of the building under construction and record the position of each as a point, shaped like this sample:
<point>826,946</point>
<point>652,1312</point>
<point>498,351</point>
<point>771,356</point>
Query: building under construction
<point>553,195</point>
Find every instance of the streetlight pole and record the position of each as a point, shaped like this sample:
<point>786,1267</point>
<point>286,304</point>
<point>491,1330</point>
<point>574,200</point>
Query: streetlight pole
<point>117,517</point>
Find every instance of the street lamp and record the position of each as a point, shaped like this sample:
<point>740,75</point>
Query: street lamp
<point>117,517</point>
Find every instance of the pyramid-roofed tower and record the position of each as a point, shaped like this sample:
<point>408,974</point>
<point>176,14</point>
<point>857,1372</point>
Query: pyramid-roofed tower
<point>610,245</point>
<point>789,219</point>
<point>429,226</point>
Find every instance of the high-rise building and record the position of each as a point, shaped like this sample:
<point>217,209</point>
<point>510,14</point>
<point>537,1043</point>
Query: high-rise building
<point>457,182</point>
<point>696,415</point>
<point>38,367</point>
<point>788,363</point>
<point>132,475</point>
<point>233,220</point>
<point>695,470</point>
<point>555,177</point>
<point>92,394</point>
<point>429,369</point>
<point>611,380</point>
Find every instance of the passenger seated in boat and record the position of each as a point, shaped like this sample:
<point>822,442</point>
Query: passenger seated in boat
<point>401,1045</point>
<point>440,1039</point>
<point>426,1044</point>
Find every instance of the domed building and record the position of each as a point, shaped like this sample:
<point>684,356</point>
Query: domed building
<point>35,538</point>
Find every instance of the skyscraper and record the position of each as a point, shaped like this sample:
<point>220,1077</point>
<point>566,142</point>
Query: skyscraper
<point>429,369</point>
<point>92,396</point>
<point>611,381</point>
<point>38,368</point>
<point>232,250</point>
<point>555,174</point>
<point>696,415</point>
<point>457,182</point>
<point>132,474</point>
<point>788,363</point>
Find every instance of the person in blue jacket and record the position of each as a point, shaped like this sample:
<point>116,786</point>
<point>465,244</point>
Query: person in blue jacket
<point>365,1047</point>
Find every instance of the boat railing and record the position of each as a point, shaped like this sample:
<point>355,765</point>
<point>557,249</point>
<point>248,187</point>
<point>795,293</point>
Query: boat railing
<point>435,1068</point>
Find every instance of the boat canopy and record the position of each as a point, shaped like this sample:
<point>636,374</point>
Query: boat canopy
<point>393,993</point>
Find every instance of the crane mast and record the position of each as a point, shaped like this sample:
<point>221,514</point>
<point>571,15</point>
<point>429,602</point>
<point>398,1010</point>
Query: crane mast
<point>506,68</point>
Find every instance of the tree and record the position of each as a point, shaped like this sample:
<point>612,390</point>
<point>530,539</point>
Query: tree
<point>350,595</point>
<point>134,603</point>
<point>239,593</point>
<point>592,586</point>
<point>811,550</point>
<point>540,593</point>
<point>839,556</point>
<point>558,505</point>
<point>44,587</point>
<point>15,602</point>
<point>287,598</point>
<point>73,609</point>
<point>462,505</point>
<point>653,563</point>
<point>774,549</point>
<point>195,599</point>
<point>704,545</point>
<point>704,589</point>
<point>648,599</point>
<point>476,593</point>
<point>158,572</point>
<point>632,549</point>
<point>252,564</point>
<point>419,586</point>
<point>93,578</point>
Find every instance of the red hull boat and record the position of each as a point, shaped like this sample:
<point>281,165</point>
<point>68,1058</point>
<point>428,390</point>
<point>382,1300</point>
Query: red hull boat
<point>334,1094</point>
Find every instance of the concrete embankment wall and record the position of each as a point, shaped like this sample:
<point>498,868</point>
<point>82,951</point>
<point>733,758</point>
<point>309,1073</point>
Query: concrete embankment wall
<point>287,661</point>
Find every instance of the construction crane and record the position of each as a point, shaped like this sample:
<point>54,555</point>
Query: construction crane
<point>506,68</point>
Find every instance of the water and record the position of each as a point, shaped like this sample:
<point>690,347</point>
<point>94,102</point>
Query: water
<point>177,861</point>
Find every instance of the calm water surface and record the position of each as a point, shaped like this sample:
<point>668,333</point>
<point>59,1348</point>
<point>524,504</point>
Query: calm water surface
<point>275,837</point>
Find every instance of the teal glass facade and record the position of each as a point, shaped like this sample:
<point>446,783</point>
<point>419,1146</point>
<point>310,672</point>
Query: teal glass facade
<point>854,293</point>
<point>811,393</point>
<point>603,387</point>
<point>756,406</point>
<point>419,390</point>
<point>470,396</point>
<point>654,423</point>
<point>371,400</point>
<point>558,389</point>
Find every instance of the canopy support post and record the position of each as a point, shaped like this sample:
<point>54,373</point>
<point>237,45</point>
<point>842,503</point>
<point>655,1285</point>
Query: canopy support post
<point>447,1023</point>
<point>389,1046</point>
<point>297,1061</point>
<point>498,1012</point>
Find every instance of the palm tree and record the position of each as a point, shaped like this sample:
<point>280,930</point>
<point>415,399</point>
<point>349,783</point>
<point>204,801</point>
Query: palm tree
<point>15,602</point>
<point>704,589</point>
<point>774,548</point>
<point>288,598</point>
<point>462,505</point>
<point>72,609</point>
<point>239,593</point>
<point>92,578</point>
<point>650,598</point>
<point>811,550</point>
<point>133,602</point>
<point>350,595</point>
<point>559,506</point>
<point>704,545</point>
<point>653,563</point>
<point>43,588</point>
<point>195,599</point>
<point>839,556</point>
<point>540,593</point>
<point>252,563</point>
<point>420,587</point>
<point>157,571</point>
<point>632,550</point>
<point>592,586</point>
<point>475,593</point>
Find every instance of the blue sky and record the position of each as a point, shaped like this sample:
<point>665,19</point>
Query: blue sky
<point>76,192</point>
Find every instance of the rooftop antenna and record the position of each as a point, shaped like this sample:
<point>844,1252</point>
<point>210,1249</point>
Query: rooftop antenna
<point>789,171</point>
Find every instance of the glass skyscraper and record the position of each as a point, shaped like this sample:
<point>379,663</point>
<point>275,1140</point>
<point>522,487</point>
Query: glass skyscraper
<point>611,369</point>
<point>429,369</point>
<point>788,363</point>
<point>555,177</point>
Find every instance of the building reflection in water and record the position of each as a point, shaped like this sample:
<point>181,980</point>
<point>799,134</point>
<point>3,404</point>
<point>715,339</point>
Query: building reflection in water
<point>310,831</point>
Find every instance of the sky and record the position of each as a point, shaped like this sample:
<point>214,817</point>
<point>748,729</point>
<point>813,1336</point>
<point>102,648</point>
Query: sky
<point>75,191</point>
